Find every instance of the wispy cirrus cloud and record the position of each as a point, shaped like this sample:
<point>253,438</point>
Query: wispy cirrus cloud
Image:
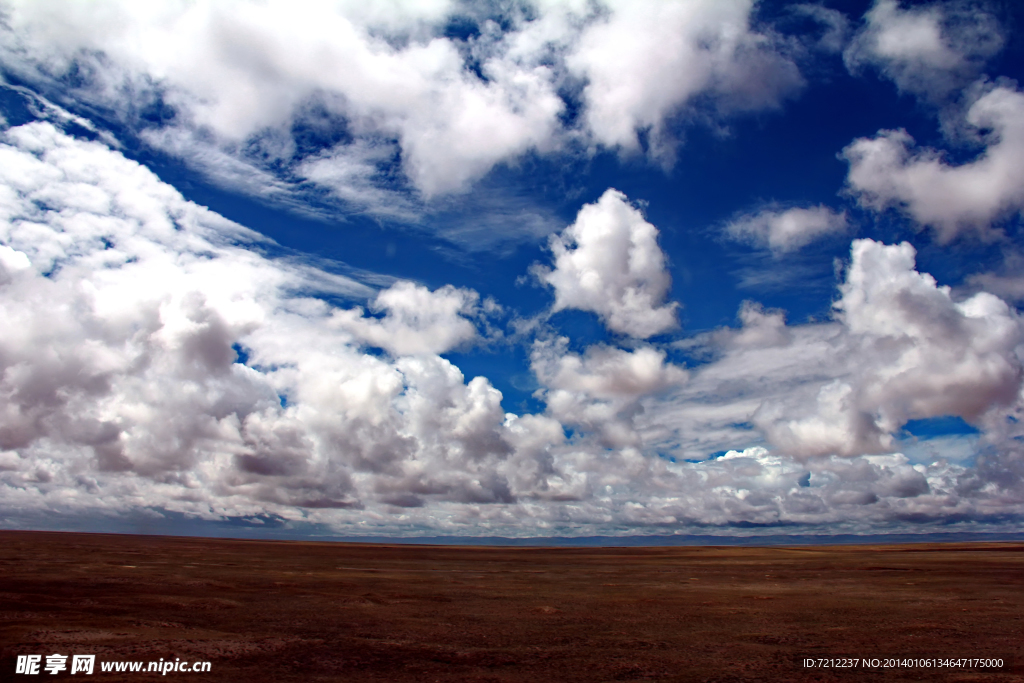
<point>785,230</point>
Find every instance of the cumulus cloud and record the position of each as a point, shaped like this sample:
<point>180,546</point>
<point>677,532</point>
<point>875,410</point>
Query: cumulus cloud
<point>416,320</point>
<point>953,358</point>
<point>609,262</point>
<point>600,391</point>
<point>153,358</point>
<point>786,230</point>
<point>666,54</point>
<point>887,170</point>
<point>924,356</point>
<point>928,51</point>
<point>370,103</point>
<point>818,400</point>
<point>254,68</point>
<point>900,348</point>
<point>760,328</point>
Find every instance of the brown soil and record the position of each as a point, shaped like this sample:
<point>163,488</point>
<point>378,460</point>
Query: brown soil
<point>296,611</point>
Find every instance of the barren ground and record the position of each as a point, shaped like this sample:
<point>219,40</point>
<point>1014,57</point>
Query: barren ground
<point>297,611</point>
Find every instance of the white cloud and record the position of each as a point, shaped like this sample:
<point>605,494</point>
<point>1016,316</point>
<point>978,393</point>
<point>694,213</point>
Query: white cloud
<point>416,320</point>
<point>601,390</point>
<point>901,348</point>
<point>11,262</point>
<point>382,88</point>
<point>665,55</point>
<point>818,399</point>
<point>785,230</point>
<point>763,363</point>
<point>354,174</point>
<point>919,355</point>
<point>124,308</point>
<point>927,50</point>
<point>609,262</point>
<point>887,171</point>
<point>945,357</point>
<point>761,328</point>
<point>606,372</point>
<point>254,67</point>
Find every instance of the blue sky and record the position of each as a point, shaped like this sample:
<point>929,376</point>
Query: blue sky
<point>445,268</point>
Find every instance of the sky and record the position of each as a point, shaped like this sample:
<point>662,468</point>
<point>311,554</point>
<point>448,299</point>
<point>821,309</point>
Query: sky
<point>529,268</point>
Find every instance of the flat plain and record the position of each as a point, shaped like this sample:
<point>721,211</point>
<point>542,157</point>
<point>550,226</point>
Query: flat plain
<point>305,611</point>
